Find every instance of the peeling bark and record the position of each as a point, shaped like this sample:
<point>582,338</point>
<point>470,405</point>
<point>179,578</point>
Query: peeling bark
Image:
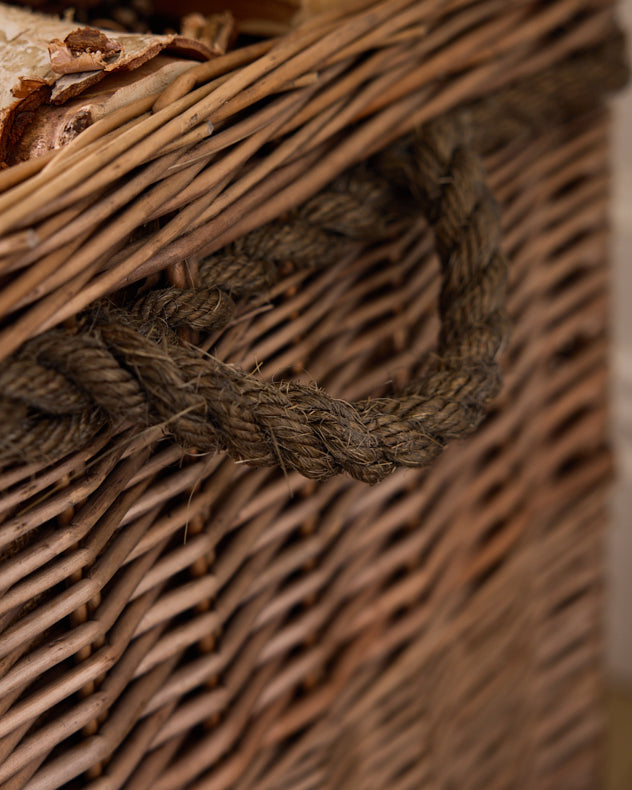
<point>33,72</point>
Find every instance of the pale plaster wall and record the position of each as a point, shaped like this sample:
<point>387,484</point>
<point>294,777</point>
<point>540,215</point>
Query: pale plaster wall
<point>619,616</point>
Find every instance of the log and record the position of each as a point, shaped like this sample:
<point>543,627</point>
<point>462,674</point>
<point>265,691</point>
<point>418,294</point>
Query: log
<point>36,68</point>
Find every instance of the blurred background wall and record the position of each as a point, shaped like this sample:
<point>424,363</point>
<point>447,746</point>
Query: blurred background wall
<point>620,538</point>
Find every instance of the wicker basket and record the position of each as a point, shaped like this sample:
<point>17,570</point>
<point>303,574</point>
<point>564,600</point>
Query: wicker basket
<point>173,617</point>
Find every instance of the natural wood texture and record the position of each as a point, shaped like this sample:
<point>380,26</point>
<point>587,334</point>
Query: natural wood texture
<point>30,75</point>
<point>413,49</point>
<point>337,614</point>
<point>174,620</point>
<point>51,127</point>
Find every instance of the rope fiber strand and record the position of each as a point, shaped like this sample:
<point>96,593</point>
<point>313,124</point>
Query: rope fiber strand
<point>119,364</point>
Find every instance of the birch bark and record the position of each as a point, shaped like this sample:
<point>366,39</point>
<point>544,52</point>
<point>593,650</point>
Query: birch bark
<point>28,81</point>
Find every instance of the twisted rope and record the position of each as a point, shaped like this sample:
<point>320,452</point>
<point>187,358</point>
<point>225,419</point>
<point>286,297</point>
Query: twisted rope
<point>63,387</point>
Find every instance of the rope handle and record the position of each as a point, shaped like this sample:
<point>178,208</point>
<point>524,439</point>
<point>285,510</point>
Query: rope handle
<point>303,428</point>
<point>130,365</point>
<point>65,386</point>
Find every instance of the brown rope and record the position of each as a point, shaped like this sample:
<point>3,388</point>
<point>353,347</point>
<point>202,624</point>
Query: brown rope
<point>552,97</point>
<point>358,207</point>
<point>63,387</point>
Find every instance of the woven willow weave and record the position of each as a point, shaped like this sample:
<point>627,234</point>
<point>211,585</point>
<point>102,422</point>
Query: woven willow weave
<point>198,587</point>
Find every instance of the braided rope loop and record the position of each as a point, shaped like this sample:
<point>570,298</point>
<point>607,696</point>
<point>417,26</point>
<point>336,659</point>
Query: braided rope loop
<point>63,387</point>
<point>130,365</point>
